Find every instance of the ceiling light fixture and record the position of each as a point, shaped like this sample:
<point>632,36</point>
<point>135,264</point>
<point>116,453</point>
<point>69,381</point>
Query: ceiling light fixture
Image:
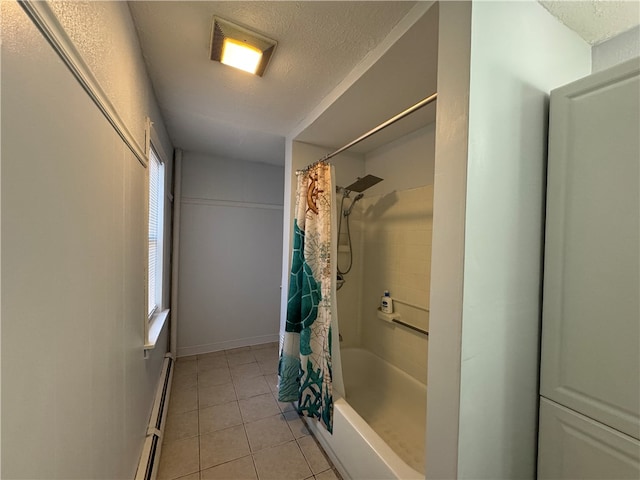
<point>239,47</point>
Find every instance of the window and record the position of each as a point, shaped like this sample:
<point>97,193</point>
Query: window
<point>156,231</point>
<point>159,237</point>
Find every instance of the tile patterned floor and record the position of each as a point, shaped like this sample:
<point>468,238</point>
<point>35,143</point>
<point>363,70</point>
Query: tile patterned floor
<point>225,422</point>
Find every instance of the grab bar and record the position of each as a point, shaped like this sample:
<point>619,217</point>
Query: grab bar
<point>419,307</point>
<point>412,327</point>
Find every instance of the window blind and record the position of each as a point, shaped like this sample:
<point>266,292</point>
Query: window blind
<point>154,230</point>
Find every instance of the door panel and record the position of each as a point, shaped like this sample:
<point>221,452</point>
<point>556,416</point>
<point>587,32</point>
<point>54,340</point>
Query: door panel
<point>591,307</point>
<point>576,447</point>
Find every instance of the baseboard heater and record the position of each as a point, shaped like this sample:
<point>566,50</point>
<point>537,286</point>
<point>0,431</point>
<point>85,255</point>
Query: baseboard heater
<point>150,457</point>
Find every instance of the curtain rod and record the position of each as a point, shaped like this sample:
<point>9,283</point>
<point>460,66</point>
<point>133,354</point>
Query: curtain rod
<point>422,103</point>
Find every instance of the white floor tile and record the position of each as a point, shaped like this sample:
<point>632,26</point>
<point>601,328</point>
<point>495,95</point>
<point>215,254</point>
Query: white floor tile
<point>297,426</point>
<point>327,475</point>
<point>219,417</point>
<point>260,406</point>
<point>240,469</point>
<point>225,422</point>
<point>216,395</point>
<point>181,425</point>
<point>213,377</point>
<point>250,387</point>
<point>179,458</point>
<point>313,454</point>
<point>235,357</point>
<point>268,432</point>
<point>223,446</point>
<point>183,400</point>
<point>284,462</point>
<point>246,370</point>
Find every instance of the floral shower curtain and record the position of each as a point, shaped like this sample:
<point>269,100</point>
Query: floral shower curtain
<point>305,358</point>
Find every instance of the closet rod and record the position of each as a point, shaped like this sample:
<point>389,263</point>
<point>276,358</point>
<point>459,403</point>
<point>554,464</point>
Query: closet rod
<point>422,103</point>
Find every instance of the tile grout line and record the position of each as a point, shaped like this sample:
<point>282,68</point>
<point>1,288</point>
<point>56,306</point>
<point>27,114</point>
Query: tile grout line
<point>244,423</point>
<point>198,405</point>
<point>253,459</point>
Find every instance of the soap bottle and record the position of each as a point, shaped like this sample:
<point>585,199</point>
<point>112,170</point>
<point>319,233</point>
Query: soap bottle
<point>386,303</point>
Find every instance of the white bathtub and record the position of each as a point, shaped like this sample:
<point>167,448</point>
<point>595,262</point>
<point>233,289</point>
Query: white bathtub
<point>393,403</point>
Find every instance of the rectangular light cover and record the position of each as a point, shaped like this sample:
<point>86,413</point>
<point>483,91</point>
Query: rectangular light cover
<point>239,47</point>
<point>241,55</point>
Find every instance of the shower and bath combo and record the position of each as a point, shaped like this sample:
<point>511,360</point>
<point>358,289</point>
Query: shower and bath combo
<point>370,462</point>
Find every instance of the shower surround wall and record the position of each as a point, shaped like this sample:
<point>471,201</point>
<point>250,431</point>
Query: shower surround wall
<point>391,244</point>
<point>397,257</point>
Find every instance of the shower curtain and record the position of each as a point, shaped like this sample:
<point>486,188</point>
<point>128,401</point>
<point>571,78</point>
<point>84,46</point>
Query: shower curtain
<point>305,359</point>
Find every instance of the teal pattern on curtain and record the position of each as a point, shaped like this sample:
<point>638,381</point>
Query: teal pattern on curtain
<point>305,359</point>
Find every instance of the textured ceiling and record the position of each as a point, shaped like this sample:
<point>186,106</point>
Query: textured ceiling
<point>596,20</point>
<point>220,111</point>
<point>214,109</point>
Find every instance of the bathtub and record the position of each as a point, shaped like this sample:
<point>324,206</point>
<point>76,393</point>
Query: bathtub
<point>384,408</point>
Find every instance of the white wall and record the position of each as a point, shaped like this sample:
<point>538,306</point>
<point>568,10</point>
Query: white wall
<point>616,50</point>
<point>76,388</point>
<point>445,321</point>
<point>405,163</point>
<point>230,254</point>
<point>488,205</point>
<point>513,69</point>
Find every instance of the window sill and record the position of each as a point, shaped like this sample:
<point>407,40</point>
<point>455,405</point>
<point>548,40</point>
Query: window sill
<point>154,328</point>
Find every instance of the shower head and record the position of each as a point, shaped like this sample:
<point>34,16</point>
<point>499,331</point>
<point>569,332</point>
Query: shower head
<point>361,184</point>
<point>347,211</point>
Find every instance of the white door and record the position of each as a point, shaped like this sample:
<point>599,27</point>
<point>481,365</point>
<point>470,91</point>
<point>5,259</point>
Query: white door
<point>591,303</point>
